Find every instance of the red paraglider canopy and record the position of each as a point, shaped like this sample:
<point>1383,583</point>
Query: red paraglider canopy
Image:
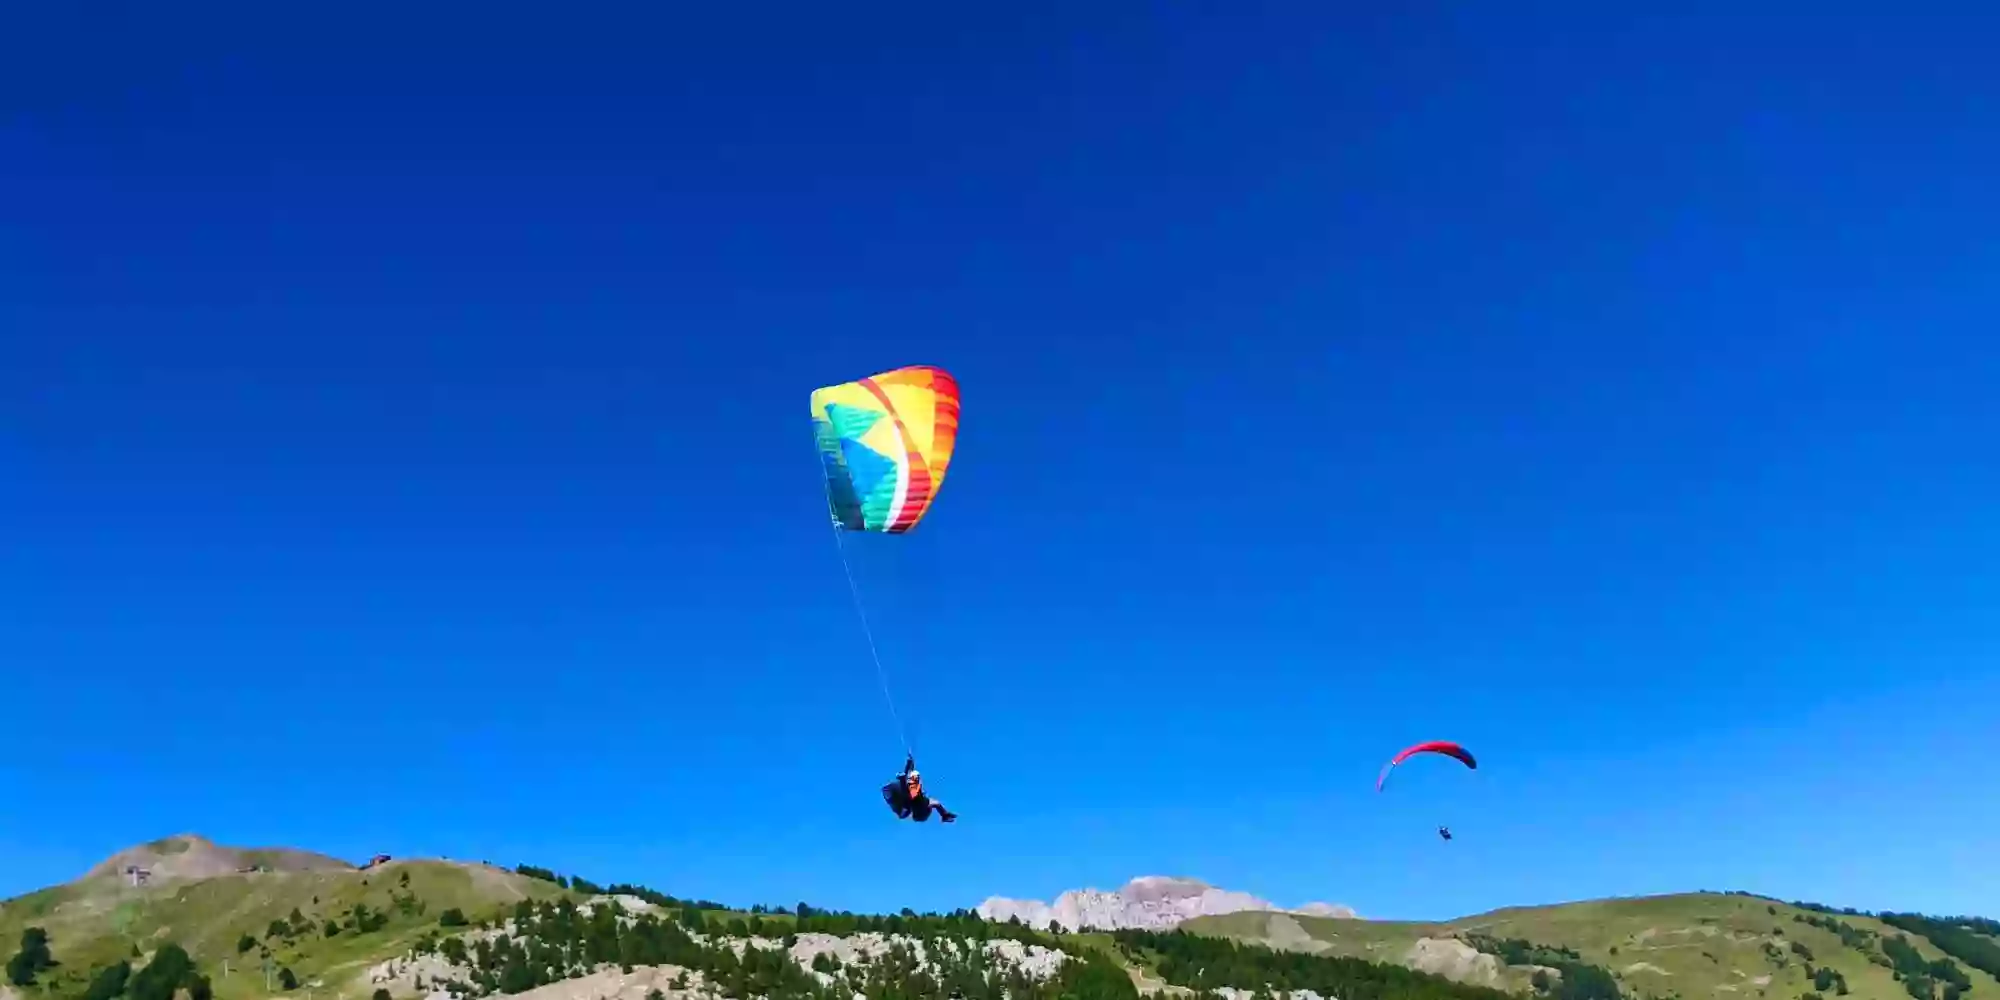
<point>1445,747</point>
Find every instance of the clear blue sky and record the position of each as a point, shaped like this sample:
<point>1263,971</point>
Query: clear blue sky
<point>404,444</point>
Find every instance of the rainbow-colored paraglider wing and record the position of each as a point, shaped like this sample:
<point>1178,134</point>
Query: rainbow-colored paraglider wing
<point>886,441</point>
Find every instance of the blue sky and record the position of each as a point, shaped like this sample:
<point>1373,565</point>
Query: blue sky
<point>403,426</point>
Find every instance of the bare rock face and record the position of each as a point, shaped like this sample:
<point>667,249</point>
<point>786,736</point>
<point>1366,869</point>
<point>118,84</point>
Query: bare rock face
<point>432,976</point>
<point>1282,933</point>
<point>192,856</point>
<point>1148,902</point>
<point>1453,959</point>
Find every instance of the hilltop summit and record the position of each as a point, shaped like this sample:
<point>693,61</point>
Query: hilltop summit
<point>1149,901</point>
<point>193,856</point>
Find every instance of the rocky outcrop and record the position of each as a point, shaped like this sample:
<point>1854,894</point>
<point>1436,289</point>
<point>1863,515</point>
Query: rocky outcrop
<point>1148,902</point>
<point>427,973</point>
<point>1453,959</point>
<point>613,983</point>
<point>1283,933</point>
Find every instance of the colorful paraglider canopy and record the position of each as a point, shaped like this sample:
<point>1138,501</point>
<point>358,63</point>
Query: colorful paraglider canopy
<point>886,441</point>
<point>1445,747</point>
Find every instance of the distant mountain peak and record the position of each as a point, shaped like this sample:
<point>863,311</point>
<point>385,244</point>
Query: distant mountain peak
<point>1149,901</point>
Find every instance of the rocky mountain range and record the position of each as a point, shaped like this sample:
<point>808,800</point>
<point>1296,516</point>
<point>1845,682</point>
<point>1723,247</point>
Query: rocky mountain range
<point>1147,902</point>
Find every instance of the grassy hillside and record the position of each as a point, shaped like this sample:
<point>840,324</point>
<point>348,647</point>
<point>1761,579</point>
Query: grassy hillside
<point>550,944</point>
<point>242,915</point>
<point>1696,945</point>
<point>98,921</point>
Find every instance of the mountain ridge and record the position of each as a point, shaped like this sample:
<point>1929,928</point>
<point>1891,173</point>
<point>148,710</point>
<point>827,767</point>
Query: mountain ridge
<point>1145,902</point>
<point>193,856</point>
<point>358,931</point>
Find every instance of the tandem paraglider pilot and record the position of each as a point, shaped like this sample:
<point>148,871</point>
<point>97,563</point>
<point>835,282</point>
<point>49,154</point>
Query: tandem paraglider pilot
<point>906,798</point>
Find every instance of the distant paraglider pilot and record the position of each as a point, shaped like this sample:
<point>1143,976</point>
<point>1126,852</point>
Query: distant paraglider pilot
<point>1444,748</point>
<point>907,800</point>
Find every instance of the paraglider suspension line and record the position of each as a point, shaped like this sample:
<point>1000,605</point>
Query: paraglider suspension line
<point>861,611</point>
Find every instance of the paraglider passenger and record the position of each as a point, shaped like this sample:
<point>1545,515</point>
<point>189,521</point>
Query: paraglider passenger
<point>1445,832</point>
<point>906,798</point>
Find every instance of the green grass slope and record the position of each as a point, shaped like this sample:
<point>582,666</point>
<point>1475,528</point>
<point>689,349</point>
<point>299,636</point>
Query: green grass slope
<point>1694,945</point>
<point>237,923</point>
<point>98,921</point>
